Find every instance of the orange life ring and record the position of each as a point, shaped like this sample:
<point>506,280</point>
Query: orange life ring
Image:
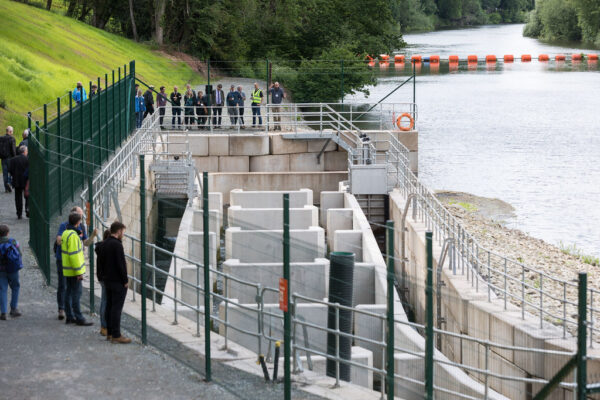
<point>405,128</point>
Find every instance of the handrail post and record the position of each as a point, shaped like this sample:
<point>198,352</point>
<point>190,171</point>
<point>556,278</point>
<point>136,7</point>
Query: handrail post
<point>390,310</point>
<point>286,314</point>
<point>429,319</point>
<point>143,244</point>
<point>205,223</point>
<point>581,338</point>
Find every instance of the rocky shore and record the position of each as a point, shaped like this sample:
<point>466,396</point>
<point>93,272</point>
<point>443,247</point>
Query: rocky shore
<point>483,218</point>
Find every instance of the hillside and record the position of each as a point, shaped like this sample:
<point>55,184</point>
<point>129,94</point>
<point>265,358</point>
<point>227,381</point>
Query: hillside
<point>43,55</point>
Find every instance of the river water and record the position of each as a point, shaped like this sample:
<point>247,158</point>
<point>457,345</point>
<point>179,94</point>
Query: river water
<point>525,133</point>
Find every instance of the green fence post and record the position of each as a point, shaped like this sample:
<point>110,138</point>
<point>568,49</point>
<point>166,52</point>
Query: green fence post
<point>99,112</point>
<point>130,104</point>
<point>205,223</point>
<point>429,319</point>
<point>390,310</point>
<point>143,245</point>
<point>113,146</point>
<point>60,157</point>
<point>91,143</point>
<point>287,326</point>
<point>29,121</point>
<point>81,138</point>
<point>90,207</point>
<point>342,81</point>
<point>72,191</point>
<point>208,74</point>
<point>46,125</point>
<point>267,82</point>
<point>106,122</point>
<point>120,110</point>
<point>582,338</point>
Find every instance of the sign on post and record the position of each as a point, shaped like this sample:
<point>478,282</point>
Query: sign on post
<point>88,212</point>
<point>283,291</point>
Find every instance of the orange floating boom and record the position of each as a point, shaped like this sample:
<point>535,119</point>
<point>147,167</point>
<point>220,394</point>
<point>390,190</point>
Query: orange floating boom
<point>560,57</point>
<point>576,57</point>
<point>453,59</point>
<point>508,58</point>
<point>490,58</point>
<point>543,57</point>
<point>472,59</point>
<point>399,58</point>
<point>416,59</point>
<point>592,57</point>
<point>526,58</point>
<point>434,59</point>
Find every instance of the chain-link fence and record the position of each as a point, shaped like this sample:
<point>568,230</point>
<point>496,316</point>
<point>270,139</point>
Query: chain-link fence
<point>70,147</point>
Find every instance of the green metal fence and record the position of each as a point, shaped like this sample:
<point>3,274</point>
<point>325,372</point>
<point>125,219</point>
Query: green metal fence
<point>65,151</point>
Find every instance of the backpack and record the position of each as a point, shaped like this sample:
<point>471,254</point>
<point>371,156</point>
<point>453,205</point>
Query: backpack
<point>5,147</point>
<point>10,256</point>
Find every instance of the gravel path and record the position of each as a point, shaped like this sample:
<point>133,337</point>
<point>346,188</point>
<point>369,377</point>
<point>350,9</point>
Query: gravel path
<point>42,358</point>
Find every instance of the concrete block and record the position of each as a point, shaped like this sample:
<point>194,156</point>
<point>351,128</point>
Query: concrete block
<point>215,201</point>
<point>364,283</point>
<point>218,145</point>
<point>413,158</point>
<point>305,162</point>
<point>409,139</point>
<point>270,198</point>
<point>267,245</point>
<point>315,146</point>
<point>409,366</point>
<point>271,218</point>
<point>193,277</point>
<point>337,219</point>
<point>248,145</point>
<point>369,327</point>
<point>336,161</point>
<point>528,334</point>
<point>329,200</point>
<point>502,326</point>
<point>234,164</point>
<point>215,221</point>
<point>271,163</point>
<point>307,279</point>
<point>349,241</point>
<point>207,164</point>
<point>279,145</point>
<point>198,144</point>
<point>196,247</point>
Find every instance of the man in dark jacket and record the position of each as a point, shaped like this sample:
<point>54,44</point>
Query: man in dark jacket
<point>149,100</point>
<point>100,266</point>
<point>8,150</point>
<point>217,100</point>
<point>115,280</point>
<point>25,141</point>
<point>19,170</point>
<point>175,107</point>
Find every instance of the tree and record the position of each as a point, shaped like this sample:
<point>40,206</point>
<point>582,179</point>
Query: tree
<point>133,27</point>
<point>159,13</point>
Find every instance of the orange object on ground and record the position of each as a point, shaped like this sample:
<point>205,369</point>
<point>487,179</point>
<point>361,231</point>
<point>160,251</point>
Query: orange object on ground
<point>472,59</point>
<point>490,58</point>
<point>543,57</point>
<point>560,57</point>
<point>416,59</point>
<point>434,59</point>
<point>453,59</point>
<point>410,125</point>
<point>509,58</point>
<point>526,57</point>
<point>399,58</point>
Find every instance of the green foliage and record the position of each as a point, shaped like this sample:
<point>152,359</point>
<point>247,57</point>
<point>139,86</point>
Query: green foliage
<point>588,12</point>
<point>565,20</point>
<point>573,250</point>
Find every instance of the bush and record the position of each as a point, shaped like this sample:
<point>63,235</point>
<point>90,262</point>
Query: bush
<point>533,28</point>
<point>494,18</point>
<point>559,20</point>
<point>2,102</point>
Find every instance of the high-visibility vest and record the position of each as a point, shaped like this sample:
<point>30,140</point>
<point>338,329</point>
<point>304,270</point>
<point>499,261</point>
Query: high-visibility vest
<point>256,96</point>
<point>73,260</point>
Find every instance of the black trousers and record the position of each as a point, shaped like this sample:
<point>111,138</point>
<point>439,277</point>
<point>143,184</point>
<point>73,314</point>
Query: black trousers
<point>161,112</point>
<point>149,110</point>
<point>176,111</point>
<point>115,298</point>
<point>19,192</point>
<point>217,110</point>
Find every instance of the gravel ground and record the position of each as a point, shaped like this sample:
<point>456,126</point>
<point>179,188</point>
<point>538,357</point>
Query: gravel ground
<point>480,217</point>
<point>42,358</point>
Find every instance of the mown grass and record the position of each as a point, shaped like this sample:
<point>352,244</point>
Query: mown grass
<point>43,54</point>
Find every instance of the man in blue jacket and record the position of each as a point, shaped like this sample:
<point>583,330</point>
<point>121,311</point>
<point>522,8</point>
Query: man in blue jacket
<point>233,99</point>
<point>79,94</point>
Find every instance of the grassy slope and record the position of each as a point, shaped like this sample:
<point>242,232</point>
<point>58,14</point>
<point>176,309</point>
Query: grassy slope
<point>43,55</point>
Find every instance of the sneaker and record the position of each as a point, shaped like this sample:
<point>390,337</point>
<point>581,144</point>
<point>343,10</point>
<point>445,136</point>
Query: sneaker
<point>69,321</point>
<point>108,338</point>
<point>84,323</point>
<point>61,314</point>
<point>103,331</point>
<point>15,313</point>
<point>3,316</point>
<point>121,339</point>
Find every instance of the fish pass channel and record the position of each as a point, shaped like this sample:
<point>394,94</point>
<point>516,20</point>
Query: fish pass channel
<point>526,133</point>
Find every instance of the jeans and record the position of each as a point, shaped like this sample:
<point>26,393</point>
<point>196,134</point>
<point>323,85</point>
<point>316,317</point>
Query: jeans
<point>72,298</point>
<point>256,113</point>
<point>149,110</point>
<point>62,286</point>
<point>115,298</point>
<point>5,174</point>
<point>176,111</point>
<point>139,118</point>
<point>217,110</point>
<point>103,306</point>
<point>161,112</point>
<point>19,201</point>
<point>241,115</point>
<point>233,112</point>
<point>7,280</point>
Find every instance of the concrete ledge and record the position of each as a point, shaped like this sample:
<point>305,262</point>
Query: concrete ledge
<point>234,164</point>
<point>207,164</point>
<point>270,198</point>
<point>248,145</point>
<point>279,145</point>
<point>218,145</point>
<point>338,219</point>
<point>349,241</point>
<point>272,218</point>
<point>305,162</point>
<point>329,200</point>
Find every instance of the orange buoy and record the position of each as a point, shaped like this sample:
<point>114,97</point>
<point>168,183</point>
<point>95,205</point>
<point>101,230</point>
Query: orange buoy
<point>384,57</point>
<point>543,57</point>
<point>472,59</point>
<point>592,57</point>
<point>453,59</point>
<point>410,126</point>
<point>416,59</point>
<point>526,58</point>
<point>384,64</point>
<point>399,58</point>
<point>576,57</point>
<point>434,59</point>
<point>560,57</point>
<point>371,63</point>
<point>508,58</point>
<point>490,58</point>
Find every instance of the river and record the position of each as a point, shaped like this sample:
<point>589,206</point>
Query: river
<point>525,133</point>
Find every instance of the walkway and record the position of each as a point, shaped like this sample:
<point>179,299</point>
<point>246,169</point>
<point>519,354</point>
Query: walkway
<point>42,358</point>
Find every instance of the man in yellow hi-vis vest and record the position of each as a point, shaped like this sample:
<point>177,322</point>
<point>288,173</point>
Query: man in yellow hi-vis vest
<point>73,263</point>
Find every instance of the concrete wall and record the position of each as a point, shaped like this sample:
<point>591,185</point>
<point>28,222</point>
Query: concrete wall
<point>272,218</point>
<point>270,198</point>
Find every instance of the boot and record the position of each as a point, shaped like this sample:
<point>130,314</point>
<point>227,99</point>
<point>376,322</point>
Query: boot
<point>15,313</point>
<point>103,331</point>
<point>121,339</point>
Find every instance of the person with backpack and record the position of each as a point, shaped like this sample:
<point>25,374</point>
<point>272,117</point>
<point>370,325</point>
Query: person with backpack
<point>10,263</point>
<point>100,268</point>
<point>8,149</point>
<point>19,171</point>
<point>73,262</point>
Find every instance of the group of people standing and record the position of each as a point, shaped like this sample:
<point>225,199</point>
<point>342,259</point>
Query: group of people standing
<point>71,238</point>
<point>15,168</point>
<point>205,110</point>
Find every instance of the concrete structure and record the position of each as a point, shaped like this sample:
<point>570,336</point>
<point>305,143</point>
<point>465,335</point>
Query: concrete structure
<point>270,199</point>
<point>272,218</point>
